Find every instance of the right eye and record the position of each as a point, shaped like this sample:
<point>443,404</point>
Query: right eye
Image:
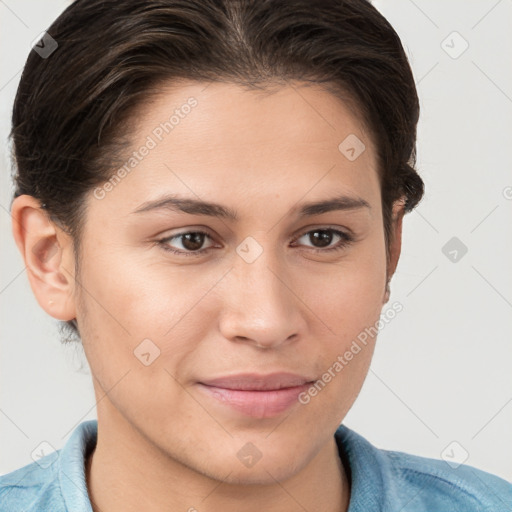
<point>191,242</point>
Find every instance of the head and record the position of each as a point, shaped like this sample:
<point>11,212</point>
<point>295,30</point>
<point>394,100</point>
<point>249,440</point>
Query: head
<point>260,109</point>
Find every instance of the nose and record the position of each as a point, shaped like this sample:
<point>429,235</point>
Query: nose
<point>260,305</point>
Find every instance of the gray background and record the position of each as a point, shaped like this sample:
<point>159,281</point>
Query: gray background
<point>440,382</point>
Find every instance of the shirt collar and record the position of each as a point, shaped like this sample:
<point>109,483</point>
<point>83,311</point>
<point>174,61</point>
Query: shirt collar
<point>365,465</point>
<point>72,466</point>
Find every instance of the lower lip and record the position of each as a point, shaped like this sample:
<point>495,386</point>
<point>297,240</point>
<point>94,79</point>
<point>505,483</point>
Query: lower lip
<point>258,404</point>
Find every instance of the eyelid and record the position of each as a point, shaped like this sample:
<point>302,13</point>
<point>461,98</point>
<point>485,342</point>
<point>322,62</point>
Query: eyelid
<point>325,227</point>
<point>163,241</point>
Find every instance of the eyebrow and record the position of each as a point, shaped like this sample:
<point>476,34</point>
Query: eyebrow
<point>198,207</point>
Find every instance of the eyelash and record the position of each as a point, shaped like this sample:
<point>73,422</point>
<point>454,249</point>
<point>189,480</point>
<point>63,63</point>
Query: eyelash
<point>346,239</point>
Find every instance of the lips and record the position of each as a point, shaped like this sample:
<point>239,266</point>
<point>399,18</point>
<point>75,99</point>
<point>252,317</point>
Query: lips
<point>256,395</point>
<point>256,382</point>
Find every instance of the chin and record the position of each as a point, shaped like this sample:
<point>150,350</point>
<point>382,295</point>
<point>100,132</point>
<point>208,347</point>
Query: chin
<point>250,466</point>
<point>261,475</point>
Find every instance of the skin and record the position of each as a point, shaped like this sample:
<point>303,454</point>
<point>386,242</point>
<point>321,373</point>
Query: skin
<point>162,443</point>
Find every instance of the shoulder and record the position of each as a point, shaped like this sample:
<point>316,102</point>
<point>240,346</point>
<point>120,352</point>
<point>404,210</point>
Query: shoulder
<point>55,482</point>
<point>462,486</point>
<point>32,487</point>
<point>417,484</point>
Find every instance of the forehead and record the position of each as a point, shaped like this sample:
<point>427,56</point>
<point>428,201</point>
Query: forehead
<point>224,140</point>
<point>239,117</point>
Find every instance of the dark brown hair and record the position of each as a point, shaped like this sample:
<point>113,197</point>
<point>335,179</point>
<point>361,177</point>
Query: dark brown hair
<point>74,109</point>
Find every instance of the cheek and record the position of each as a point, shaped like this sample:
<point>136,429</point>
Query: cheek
<point>135,297</point>
<point>125,315</point>
<point>348,294</point>
<point>123,304</point>
<point>344,357</point>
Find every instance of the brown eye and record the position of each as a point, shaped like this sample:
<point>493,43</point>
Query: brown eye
<point>321,239</point>
<point>191,243</point>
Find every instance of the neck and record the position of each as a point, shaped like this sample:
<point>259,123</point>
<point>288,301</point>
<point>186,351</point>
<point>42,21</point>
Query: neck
<point>130,480</point>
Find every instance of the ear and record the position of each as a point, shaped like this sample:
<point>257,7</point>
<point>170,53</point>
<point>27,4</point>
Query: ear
<point>395,244</point>
<point>48,255</point>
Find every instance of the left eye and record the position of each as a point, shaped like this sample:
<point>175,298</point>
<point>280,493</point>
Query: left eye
<point>324,237</point>
<point>192,241</point>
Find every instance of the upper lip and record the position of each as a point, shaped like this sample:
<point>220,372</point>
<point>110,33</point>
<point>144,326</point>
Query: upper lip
<point>258,382</point>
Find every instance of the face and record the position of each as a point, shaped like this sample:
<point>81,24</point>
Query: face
<point>185,312</point>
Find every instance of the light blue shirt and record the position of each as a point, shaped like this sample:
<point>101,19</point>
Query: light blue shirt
<point>381,480</point>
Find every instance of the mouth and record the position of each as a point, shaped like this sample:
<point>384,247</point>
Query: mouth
<point>258,396</point>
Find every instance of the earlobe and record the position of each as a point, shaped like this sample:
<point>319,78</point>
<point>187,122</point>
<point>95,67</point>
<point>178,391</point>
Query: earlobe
<point>47,252</point>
